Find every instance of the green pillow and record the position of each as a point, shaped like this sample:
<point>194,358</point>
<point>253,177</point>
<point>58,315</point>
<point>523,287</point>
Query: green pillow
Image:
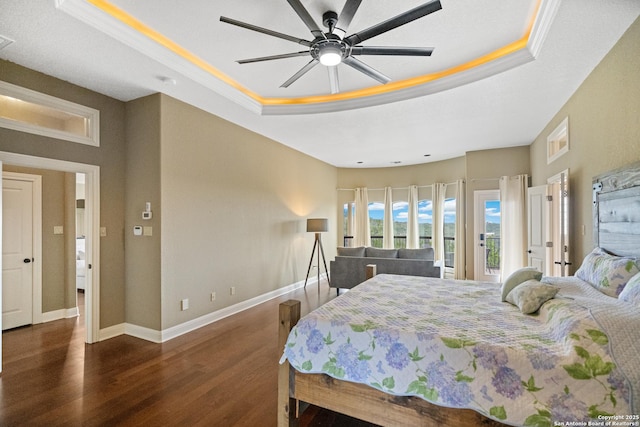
<point>517,277</point>
<point>530,295</point>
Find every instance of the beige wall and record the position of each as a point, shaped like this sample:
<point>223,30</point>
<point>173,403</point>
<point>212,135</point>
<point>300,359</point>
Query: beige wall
<point>110,156</point>
<point>475,167</point>
<point>143,261</point>
<point>604,133</point>
<point>234,206</point>
<point>483,168</point>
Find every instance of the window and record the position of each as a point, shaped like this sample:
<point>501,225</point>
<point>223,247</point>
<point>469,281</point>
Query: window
<point>425,222</point>
<point>33,112</point>
<point>449,232</point>
<point>558,141</point>
<point>376,221</point>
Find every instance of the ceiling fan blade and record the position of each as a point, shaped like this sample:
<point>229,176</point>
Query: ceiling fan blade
<point>333,79</point>
<point>344,20</point>
<point>272,57</point>
<point>300,73</point>
<point>395,22</point>
<point>306,18</point>
<point>265,31</point>
<point>366,69</point>
<point>391,50</point>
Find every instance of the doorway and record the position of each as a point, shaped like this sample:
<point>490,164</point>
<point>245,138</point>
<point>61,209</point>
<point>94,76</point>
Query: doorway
<point>92,215</point>
<point>487,235</point>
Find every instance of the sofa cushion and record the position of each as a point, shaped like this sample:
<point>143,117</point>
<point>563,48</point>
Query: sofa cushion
<point>381,253</point>
<point>357,252</point>
<point>423,253</point>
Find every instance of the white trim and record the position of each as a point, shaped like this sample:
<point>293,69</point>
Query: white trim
<point>186,327</point>
<point>101,21</point>
<point>91,115</point>
<point>561,132</point>
<point>63,313</point>
<point>112,331</point>
<point>36,201</point>
<point>92,209</point>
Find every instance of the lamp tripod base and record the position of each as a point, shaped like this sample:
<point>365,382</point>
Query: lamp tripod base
<point>320,250</point>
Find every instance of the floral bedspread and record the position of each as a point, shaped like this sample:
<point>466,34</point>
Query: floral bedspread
<point>454,343</point>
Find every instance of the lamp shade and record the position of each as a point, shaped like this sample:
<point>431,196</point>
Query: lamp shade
<point>317,225</point>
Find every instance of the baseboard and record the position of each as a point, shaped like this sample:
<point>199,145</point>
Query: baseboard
<point>63,313</point>
<point>183,328</point>
<point>111,332</point>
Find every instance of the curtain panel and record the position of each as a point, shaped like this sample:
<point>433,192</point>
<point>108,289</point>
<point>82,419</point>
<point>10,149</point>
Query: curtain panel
<point>460,263</point>
<point>387,223</point>
<point>362,235</point>
<point>513,223</point>
<point>439,191</point>
<point>413,229</point>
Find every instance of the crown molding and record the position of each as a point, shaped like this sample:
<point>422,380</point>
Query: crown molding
<point>94,16</point>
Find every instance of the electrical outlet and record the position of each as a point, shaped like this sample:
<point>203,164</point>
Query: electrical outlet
<point>232,290</point>
<point>184,304</point>
<point>213,296</point>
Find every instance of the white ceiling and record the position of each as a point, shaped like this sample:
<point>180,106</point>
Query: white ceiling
<point>500,104</point>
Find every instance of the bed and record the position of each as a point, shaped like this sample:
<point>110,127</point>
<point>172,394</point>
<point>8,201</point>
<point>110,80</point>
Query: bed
<point>395,351</point>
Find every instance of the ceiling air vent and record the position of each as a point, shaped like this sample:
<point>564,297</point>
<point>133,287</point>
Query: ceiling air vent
<point>4,42</point>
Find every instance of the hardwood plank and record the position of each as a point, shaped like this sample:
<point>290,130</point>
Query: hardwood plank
<point>223,374</point>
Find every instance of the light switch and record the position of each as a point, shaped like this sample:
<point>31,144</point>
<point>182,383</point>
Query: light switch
<point>58,229</point>
<point>103,231</point>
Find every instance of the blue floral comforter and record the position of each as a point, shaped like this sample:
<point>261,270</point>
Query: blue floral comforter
<point>454,343</point>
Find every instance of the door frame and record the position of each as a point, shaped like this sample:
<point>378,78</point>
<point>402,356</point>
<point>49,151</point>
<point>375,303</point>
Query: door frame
<point>36,226</point>
<point>92,209</point>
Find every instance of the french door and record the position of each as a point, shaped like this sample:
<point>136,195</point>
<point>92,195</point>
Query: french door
<point>487,235</point>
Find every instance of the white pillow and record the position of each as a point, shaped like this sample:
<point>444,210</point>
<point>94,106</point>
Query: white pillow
<point>517,277</point>
<point>530,295</point>
<point>607,273</point>
<point>631,292</point>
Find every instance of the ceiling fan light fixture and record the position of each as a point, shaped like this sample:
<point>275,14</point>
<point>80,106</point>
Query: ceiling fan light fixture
<point>330,55</point>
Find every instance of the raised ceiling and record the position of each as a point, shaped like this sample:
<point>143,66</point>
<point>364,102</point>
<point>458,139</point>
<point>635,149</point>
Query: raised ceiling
<point>500,69</point>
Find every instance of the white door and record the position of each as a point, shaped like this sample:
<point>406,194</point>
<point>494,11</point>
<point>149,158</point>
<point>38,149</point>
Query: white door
<point>487,235</point>
<point>17,253</point>
<point>538,227</point>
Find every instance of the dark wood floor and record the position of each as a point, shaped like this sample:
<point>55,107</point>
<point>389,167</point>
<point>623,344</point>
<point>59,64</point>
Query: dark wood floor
<point>224,374</point>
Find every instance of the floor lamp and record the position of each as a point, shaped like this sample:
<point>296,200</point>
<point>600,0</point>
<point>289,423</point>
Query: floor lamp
<point>317,225</point>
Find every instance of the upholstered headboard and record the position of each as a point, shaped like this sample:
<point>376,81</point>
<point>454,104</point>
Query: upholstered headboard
<point>616,211</point>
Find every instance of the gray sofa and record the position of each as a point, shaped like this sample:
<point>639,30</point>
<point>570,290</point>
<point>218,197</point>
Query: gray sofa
<point>349,267</point>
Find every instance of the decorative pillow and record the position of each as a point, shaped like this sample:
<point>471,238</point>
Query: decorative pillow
<point>530,295</point>
<point>607,273</point>
<point>424,253</point>
<point>381,253</point>
<point>631,292</point>
<point>517,277</point>
<point>356,252</point>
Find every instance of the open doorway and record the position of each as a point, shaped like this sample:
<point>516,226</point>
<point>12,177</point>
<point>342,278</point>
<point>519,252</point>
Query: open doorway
<point>92,230</point>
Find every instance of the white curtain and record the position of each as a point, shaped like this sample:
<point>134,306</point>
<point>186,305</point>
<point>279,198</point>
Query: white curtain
<point>513,224</point>
<point>413,232</point>
<point>459,262</point>
<point>439,191</point>
<point>387,223</point>
<point>362,236</point>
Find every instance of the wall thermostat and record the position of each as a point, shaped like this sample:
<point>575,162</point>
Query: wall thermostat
<point>146,214</point>
<point>137,230</point>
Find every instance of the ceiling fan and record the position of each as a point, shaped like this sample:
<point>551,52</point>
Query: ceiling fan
<point>334,47</point>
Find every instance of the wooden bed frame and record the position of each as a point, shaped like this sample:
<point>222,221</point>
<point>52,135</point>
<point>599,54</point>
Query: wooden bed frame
<point>616,200</point>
